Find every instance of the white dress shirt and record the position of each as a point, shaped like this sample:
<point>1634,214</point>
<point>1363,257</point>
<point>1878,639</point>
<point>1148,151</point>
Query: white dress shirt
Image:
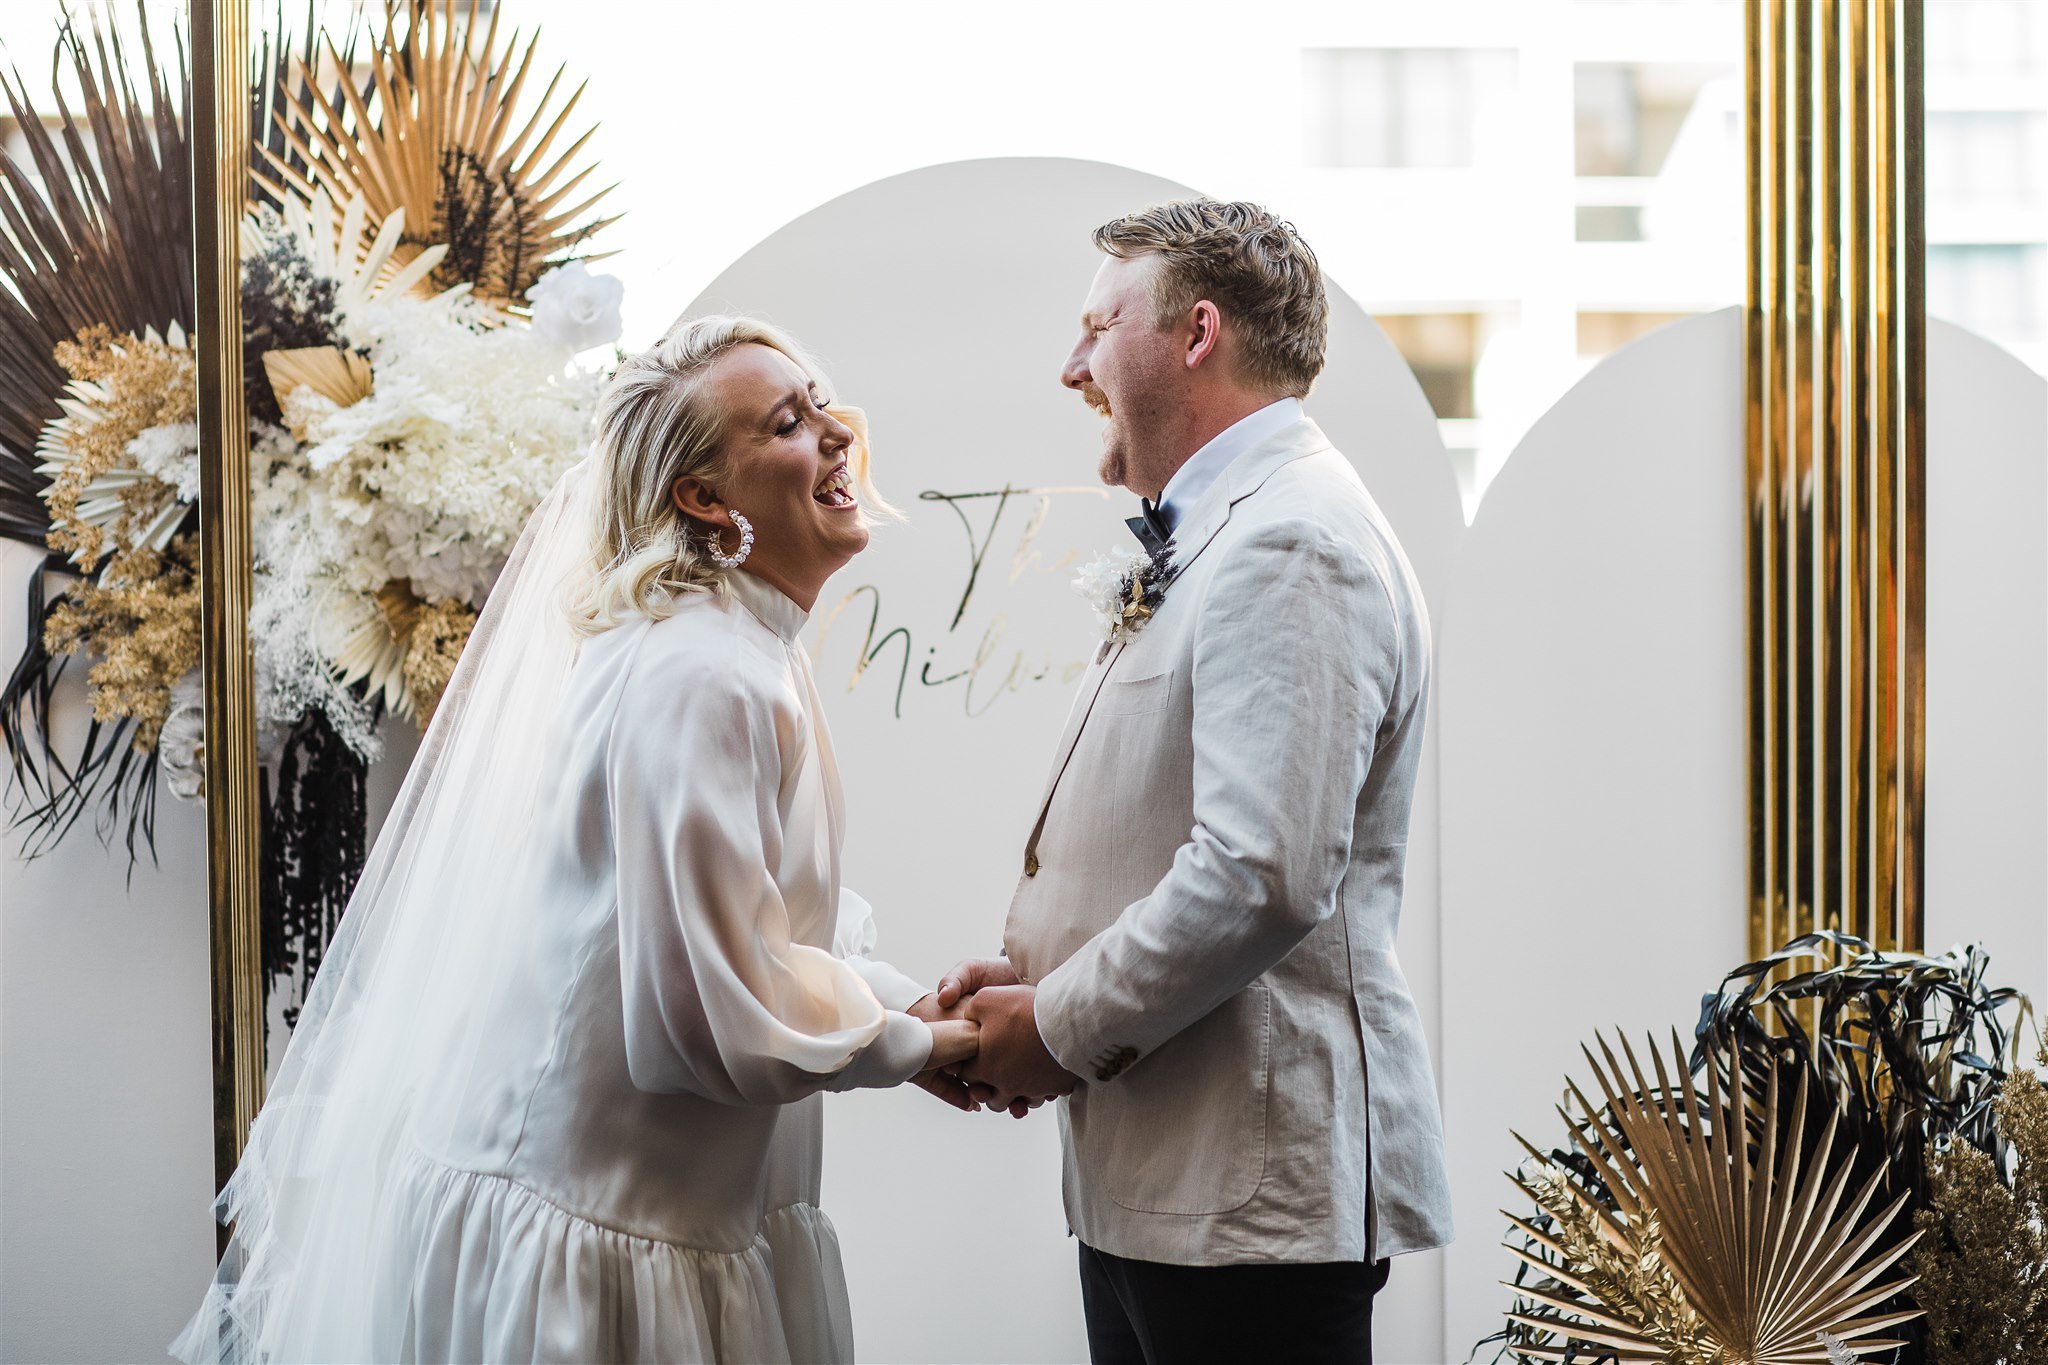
<point>1206,465</point>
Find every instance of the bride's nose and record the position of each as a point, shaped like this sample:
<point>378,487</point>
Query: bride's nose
<point>837,436</point>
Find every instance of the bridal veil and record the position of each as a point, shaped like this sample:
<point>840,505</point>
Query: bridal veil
<point>441,912</point>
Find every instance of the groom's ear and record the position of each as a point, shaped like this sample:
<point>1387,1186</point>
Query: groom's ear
<point>699,501</point>
<point>1205,333</point>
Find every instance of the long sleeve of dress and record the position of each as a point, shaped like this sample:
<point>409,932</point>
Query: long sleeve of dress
<point>718,999</point>
<point>854,941</point>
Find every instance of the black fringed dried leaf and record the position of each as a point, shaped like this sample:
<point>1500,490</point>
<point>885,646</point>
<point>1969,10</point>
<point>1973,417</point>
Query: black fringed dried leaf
<point>1912,1046</point>
<point>314,830</point>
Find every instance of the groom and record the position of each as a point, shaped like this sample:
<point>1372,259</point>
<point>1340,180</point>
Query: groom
<point>1201,947</point>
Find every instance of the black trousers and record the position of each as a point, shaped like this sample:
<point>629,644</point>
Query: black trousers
<point>1144,1313</point>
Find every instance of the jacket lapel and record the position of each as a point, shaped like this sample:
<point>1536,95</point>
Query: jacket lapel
<point>1243,478</point>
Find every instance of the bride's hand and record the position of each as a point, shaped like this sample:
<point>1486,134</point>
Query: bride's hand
<point>953,1041</point>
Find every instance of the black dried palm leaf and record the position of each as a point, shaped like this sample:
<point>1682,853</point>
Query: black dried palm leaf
<point>1907,1051</point>
<point>1913,1048</point>
<point>95,228</point>
<point>274,93</point>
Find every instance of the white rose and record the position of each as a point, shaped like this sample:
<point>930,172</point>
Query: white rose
<point>575,309</point>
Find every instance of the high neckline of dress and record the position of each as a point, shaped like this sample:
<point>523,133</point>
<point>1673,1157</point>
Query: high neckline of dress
<point>768,604</point>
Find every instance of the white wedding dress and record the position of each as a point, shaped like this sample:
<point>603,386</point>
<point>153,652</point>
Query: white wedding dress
<point>632,1171</point>
<point>615,1154</point>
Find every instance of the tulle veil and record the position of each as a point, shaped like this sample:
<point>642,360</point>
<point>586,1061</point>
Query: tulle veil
<point>390,1021</point>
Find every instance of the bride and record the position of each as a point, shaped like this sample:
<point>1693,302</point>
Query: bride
<point>555,1094</point>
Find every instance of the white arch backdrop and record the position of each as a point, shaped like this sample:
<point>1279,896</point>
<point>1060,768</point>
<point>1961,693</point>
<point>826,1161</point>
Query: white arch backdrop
<point>1592,806</point>
<point>943,301</point>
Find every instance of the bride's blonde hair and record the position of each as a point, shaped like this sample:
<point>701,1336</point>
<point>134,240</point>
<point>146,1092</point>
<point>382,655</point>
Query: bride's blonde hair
<point>657,423</point>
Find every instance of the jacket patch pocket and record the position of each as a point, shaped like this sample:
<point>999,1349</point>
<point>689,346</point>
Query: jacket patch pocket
<point>1184,1130</point>
<point>1134,696</point>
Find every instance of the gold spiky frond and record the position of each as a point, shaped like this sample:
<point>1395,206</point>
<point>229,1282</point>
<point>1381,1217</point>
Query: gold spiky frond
<point>1757,1227</point>
<point>432,134</point>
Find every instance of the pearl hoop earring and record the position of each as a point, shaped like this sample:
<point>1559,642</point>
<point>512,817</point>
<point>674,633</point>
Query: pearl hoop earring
<point>739,556</point>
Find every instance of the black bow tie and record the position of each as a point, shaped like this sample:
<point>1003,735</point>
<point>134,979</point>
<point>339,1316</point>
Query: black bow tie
<point>1150,528</point>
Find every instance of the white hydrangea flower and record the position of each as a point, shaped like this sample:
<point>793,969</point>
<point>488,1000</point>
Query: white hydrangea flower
<point>170,453</point>
<point>430,479</point>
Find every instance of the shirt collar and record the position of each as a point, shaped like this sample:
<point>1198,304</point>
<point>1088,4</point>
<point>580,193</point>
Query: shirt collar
<point>767,604</point>
<point>1206,465</point>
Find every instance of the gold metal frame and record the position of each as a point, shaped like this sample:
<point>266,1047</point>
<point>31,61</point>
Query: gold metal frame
<point>220,171</point>
<point>1834,337</point>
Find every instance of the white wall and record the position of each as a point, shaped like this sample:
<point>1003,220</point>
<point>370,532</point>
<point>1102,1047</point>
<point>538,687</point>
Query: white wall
<point>1987,652</point>
<point>1595,813</point>
<point>106,1089</point>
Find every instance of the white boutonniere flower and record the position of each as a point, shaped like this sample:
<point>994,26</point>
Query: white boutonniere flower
<point>1125,588</point>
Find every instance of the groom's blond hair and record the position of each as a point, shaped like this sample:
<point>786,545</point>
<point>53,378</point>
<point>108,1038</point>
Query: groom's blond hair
<point>1253,266</point>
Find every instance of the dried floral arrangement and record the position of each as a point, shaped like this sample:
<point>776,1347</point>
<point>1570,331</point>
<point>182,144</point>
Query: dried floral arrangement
<point>1983,1262</point>
<point>415,289</point>
<point>1846,1166</point>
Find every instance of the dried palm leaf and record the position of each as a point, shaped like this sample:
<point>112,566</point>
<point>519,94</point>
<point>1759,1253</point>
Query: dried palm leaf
<point>365,257</point>
<point>1758,1228</point>
<point>95,229</point>
<point>433,136</point>
<point>1912,1048</point>
<point>343,378</point>
<point>368,644</point>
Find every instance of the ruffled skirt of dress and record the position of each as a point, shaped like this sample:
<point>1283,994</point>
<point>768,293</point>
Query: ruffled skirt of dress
<point>482,1268</point>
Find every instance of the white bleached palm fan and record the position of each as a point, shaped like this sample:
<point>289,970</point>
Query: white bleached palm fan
<point>341,246</point>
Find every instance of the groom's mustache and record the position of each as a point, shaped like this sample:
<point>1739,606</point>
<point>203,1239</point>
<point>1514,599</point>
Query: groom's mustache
<point>1095,398</point>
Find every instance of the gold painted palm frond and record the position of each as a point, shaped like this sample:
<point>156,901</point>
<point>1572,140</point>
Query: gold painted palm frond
<point>1732,1235</point>
<point>433,134</point>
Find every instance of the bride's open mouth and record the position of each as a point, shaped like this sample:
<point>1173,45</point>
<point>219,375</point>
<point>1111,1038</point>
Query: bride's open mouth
<point>837,489</point>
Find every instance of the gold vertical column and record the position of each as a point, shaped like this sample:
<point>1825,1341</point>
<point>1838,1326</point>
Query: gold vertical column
<point>1836,463</point>
<point>220,151</point>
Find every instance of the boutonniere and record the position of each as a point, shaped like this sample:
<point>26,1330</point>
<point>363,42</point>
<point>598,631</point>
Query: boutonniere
<point>1125,589</point>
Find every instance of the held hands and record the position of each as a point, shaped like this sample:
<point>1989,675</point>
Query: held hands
<point>955,1039</point>
<point>1009,1068</point>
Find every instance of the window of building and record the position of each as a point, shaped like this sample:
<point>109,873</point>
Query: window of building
<point>1401,107</point>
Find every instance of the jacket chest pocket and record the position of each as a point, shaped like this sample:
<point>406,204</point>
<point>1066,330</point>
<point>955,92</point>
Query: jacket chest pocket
<point>1135,696</point>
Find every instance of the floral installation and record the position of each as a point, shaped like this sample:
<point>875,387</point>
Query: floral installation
<point>1125,588</point>
<point>1851,1126</point>
<point>413,388</point>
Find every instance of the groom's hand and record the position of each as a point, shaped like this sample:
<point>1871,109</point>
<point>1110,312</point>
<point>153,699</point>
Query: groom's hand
<point>1013,1059</point>
<point>971,975</point>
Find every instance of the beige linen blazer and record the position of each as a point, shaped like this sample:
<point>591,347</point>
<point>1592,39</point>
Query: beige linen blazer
<point>1210,896</point>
